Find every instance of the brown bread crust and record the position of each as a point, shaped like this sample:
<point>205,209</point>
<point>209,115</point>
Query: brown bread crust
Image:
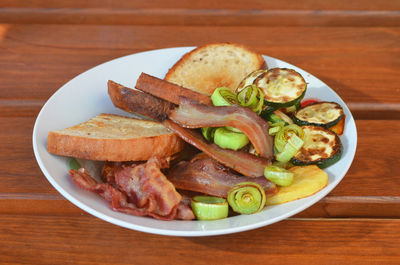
<point>207,76</point>
<point>124,148</point>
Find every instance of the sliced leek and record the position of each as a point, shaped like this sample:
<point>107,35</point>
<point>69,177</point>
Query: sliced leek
<point>278,175</point>
<point>251,97</point>
<point>246,198</point>
<point>223,96</point>
<point>208,133</point>
<point>283,136</point>
<point>290,149</point>
<point>228,139</point>
<point>209,208</point>
<point>274,130</point>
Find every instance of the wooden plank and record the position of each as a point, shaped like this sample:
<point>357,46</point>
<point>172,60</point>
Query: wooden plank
<point>200,17</point>
<point>209,4</point>
<point>53,54</point>
<point>83,240</point>
<point>19,171</point>
<point>354,206</point>
<point>328,207</point>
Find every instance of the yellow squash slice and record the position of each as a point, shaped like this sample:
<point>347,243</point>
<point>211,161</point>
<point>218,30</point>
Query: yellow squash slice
<point>307,181</point>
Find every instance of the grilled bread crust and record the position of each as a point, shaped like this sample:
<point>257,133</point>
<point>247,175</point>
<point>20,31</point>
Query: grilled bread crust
<point>214,65</point>
<point>109,137</point>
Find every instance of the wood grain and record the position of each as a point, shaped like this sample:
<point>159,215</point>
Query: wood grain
<point>209,4</point>
<point>200,17</point>
<point>240,13</point>
<point>343,241</point>
<point>53,54</point>
<point>40,204</point>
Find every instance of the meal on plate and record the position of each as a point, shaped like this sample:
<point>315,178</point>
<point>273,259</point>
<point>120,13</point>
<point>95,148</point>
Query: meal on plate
<point>222,134</point>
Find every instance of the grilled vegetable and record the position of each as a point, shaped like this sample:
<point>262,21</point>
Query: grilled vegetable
<point>251,97</point>
<point>208,133</point>
<point>292,109</point>
<point>307,181</point>
<point>223,96</point>
<point>287,132</point>
<point>249,80</point>
<point>246,198</point>
<point>278,175</point>
<point>225,138</point>
<point>322,147</point>
<point>325,114</point>
<point>290,149</point>
<point>209,208</point>
<point>278,116</point>
<point>338,128</point>
<point>282,87</point>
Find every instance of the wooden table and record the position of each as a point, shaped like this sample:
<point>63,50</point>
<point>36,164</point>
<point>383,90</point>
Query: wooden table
<point>353,46</point>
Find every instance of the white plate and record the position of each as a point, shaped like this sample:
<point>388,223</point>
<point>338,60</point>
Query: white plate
<point>85,96</point>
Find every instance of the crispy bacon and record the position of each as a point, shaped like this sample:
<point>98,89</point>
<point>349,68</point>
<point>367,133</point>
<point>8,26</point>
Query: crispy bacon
<point>207,176</point>
<point>191,114</point>
<point>242,162</point>
<point>144,191</point>
<point>167,90</point>
<point>109,169</point>
<point>148,187</point>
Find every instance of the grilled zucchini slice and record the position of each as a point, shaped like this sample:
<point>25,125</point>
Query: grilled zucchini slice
<point>321,147</point>
<point>282,87</point>
<point>323,113</point>
<point>249,79</point>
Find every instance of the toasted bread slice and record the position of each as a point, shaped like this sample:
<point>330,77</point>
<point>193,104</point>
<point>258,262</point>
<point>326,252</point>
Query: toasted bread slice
<point>214,65</point>
<point>109,137</point>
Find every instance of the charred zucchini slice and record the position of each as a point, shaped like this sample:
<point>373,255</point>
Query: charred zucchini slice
<point>249,79</point>
<point>321,147</point>
<point>325,114</point>
<point>282,87</point>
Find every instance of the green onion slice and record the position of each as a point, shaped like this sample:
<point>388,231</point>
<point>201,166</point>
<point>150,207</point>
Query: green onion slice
<point>74,164</point>
<point>230,140</point>
<point>233,129</point>
<point>246,198</point>
<point>274,130</point>
<point>283,136</point>
<point>208,133</point>
<point>223,96</point>
<point>251,97</point>
<point>278,175</point>
<point>283,116</point>
<point>209,208</point>
<point>290,149</point>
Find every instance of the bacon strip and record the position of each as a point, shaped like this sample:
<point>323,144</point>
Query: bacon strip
<point>138,102</point>
<point>148,187</point>
<point>164,207</point>
<point>207,176</point>
<point>167,90</point>
<point>191,114</point>
<point>242,162</point>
